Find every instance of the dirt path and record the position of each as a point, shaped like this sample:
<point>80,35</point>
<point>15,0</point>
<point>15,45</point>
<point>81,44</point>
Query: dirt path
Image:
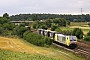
<point>80,27</point>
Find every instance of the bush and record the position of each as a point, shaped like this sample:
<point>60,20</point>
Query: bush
<point>1,30</point>
<point>25,34</point>
<point>43,27</point>
<point>19,31</point>
<point>37,39</point>
<point>53,27</point>
<point>87,38</point>
<point>78,32</point>
<point>67,32</point>
<point>58,30</point>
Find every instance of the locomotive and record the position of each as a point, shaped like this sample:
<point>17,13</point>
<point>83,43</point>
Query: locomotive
<point>67,40</point>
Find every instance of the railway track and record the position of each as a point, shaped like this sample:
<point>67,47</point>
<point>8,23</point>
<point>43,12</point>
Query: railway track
<point>82,48</point>
<point>79,50</point>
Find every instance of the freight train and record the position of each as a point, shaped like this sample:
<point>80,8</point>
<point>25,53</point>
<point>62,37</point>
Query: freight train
<point>67,40</point>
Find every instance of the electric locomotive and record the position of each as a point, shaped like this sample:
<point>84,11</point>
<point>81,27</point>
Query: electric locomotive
<point>58,37</point>
<point>65,39</point>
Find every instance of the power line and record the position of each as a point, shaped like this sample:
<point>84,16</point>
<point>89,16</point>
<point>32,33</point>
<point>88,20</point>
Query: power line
<point>81,10</point>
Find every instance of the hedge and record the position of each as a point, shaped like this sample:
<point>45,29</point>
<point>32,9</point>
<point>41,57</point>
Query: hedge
<point>37,39</point>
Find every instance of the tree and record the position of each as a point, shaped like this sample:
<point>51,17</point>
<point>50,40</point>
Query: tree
<point>25,34</point>
<point>36,24</point>
<point>53,27</point>
<point>35,17</point>
<point>4,20</point>
<point>78,32</point>
<point>48,23</point>
<point>1,30</point>
<point>74,31</point>
<point>87,38</point>
<point>63,22</point>
<point>67,32</point>
<point>58,30</point>
<point>68,22</point>
<point>6,15</point>
<point>19,30</point>
<point>59,22</point>
<point>43,27</point>
<point>8,26</point>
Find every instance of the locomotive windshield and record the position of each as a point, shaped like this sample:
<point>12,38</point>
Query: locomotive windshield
<point>72,38</point>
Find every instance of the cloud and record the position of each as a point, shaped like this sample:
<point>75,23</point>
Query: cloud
<point>44,6</point>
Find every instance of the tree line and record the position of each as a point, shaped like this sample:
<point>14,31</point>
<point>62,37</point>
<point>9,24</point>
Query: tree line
<point>34,17</point>
<point>51,23</point>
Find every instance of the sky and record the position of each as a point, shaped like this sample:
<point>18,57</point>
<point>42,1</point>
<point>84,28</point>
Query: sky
<point>13,7</point>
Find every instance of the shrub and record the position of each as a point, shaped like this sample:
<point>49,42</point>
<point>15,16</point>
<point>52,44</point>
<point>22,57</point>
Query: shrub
<point>19,31</point>
<point>58,30</point>
<point>43,27</point>
<point>87,38</point>
<point>25,34</point>
<point>1,30</point>
<point>53,27</point>
<point>67,32</point>
<point>78,32</point>
<point>37,39</point>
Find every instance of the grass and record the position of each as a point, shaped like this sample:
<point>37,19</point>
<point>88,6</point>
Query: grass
<point>78,23</point>
<point>83,25</point>
<point>66,28</point>
<point>18,49</point>
<point>85,31</point>
<point>9,55</point>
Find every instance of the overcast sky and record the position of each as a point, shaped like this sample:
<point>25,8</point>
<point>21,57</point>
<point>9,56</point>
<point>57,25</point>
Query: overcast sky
<point>44,6</point>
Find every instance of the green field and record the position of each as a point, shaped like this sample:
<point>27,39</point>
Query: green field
<point>8,55</point>
<point>83,25</point>
<point>78,23</point>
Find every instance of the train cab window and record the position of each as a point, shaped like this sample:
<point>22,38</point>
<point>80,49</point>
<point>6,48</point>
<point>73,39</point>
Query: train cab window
<point>67,38</point>
<point>72,38</point>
